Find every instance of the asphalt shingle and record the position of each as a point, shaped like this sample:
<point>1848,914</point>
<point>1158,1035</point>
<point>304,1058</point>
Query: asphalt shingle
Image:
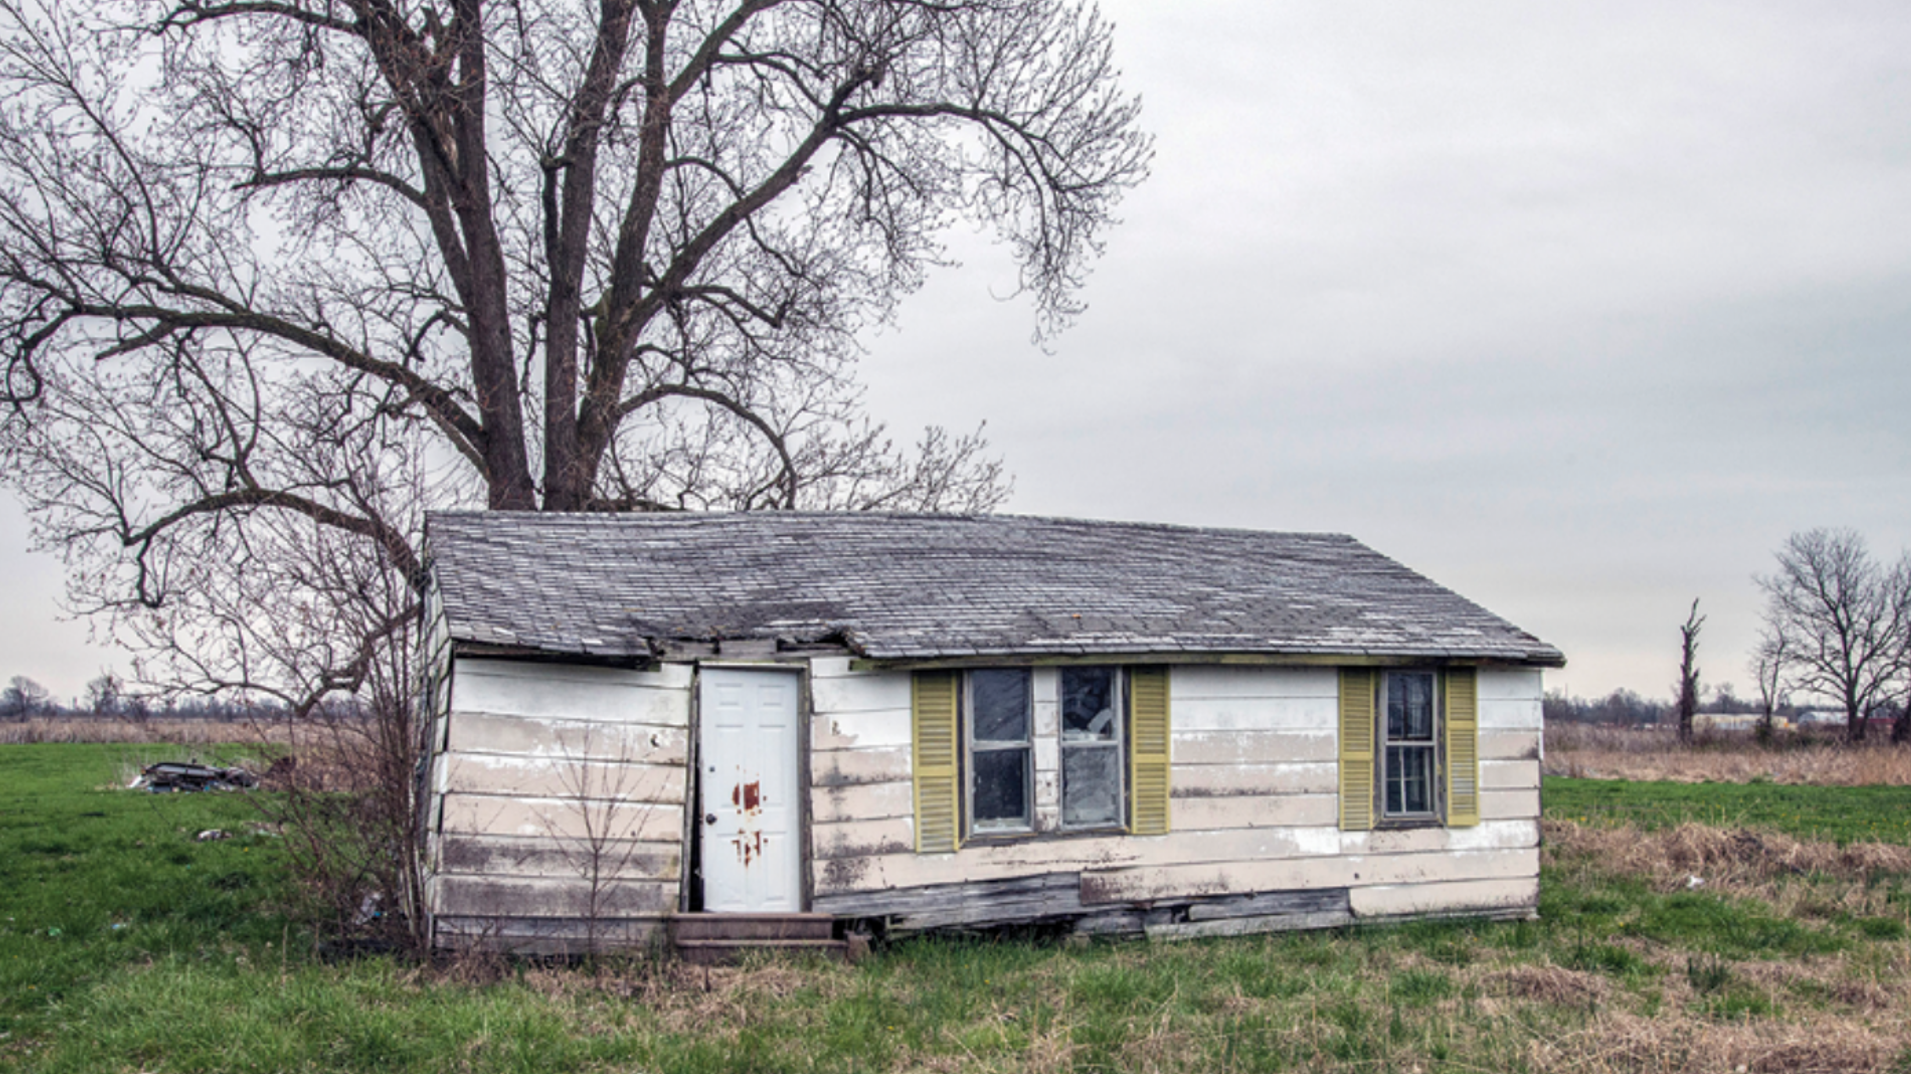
<point>902,587</point>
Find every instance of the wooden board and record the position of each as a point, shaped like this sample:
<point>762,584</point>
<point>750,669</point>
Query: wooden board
<point>860,730</point>
<point>540,856</point>
<point>1190,682</point>
<point>1253,811</point>
<point>1316,714</point>
<point>547,936</point>
<point>843,768</point>
<point>565,691</point>
<point>1133,883</point>
<point>1210,781</point>
<point>1031,857</point>
<point>483,814</point>
<point>1509,745</point>
<point>1487,835</point>
<point>1250,747</point>
<point>1509,805</point>
<point>1509,775</point>
<point>518,736</point>
<point>539,777</point>
<point>530,898</point>
<point>1248,926</point>
<point>884,691</point>
<point>1515,683</point>
<point>1518,893</point>
<point>866,801</point>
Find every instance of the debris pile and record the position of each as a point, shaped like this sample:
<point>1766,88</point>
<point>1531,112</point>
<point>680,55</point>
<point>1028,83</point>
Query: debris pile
<point>170,776</point>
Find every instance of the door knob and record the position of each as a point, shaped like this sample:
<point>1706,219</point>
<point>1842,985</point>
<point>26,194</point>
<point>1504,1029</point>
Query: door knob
<point>709,818</point>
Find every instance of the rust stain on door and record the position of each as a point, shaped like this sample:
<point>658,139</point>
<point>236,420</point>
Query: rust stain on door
<point>748,799</point>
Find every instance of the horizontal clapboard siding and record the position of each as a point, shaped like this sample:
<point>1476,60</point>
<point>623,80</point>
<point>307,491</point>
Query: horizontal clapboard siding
<point>561,794</point>
<point>1253,807</point>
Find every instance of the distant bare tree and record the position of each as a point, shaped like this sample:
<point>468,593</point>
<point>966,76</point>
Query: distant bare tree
<point>1842,620</point>
<point>1687,690</point>
<point>1768,667</point>
<point>104,693</point>
<point>23,698</point>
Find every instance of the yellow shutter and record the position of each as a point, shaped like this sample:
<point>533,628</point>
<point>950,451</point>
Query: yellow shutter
<point>1356,749</point>
<point>933,704</point>
<point>1463,747</point>
<point>1148,750</point>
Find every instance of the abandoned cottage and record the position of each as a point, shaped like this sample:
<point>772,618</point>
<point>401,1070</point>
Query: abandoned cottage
<point>908,722</point>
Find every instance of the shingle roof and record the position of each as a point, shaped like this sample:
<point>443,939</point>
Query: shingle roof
<point>901,587</point>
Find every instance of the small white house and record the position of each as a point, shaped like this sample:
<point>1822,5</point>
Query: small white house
<point>909,722</point>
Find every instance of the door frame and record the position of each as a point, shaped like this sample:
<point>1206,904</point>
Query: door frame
<point>690,894</point>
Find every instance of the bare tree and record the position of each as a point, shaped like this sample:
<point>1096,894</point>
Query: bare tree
<point>346,259</point>
<point>1688,688</point>
<point>23,697</point>
<point>608,786</point>
<point>1768,667</point>
<point>1842,619</point>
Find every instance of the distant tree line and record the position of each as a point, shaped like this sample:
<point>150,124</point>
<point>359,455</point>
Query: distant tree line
<point>107,697</point>
<point>1628,708</point>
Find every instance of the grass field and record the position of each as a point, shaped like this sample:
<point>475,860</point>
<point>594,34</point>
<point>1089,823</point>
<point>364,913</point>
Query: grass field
<point>129,947</point>
<point>1838,815</point>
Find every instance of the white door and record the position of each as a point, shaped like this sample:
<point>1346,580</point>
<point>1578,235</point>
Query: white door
<point>752,829</point>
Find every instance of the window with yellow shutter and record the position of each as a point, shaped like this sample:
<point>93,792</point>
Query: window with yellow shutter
<point>1111,738</point>
<point>1408,747</point>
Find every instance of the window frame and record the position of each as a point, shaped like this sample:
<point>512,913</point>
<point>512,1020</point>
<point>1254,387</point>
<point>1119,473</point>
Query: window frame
<point>1434,749</point>
<point>966,785</point>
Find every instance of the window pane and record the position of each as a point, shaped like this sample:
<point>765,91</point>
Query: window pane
<point>1001,705</point>
<point>1409,780</point>
<point>1410,707</point>
<point>1091,785</point>
<point>1001,788</point>
<point>1088,704</point>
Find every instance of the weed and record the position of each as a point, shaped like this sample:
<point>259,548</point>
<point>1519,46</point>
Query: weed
<point>1707,973</point>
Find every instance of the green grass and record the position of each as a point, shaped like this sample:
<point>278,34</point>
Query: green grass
<point>1839,815</point>
<point>201,977</point>
<point>96,878</point>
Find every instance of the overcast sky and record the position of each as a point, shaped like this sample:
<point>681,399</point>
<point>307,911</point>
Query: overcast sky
<point>1579,309</point>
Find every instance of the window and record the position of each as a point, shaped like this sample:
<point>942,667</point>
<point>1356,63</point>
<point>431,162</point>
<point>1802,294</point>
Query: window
<point>1409,743</point>
<point>1409,747</point>
<point>1015,751</point>
<point>1001,748</point>
<point>1000,714</point>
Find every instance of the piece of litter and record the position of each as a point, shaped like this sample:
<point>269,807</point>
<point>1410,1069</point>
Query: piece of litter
<point>211,835</point>
<point>1694,882</point>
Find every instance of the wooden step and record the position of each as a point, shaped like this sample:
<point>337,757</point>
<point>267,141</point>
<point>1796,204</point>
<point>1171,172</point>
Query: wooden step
<point>718,952</point>
<point>768,928</point>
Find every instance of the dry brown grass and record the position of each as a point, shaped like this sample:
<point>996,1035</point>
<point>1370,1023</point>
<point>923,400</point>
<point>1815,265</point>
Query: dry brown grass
<point>1738,857</point>
<point>171,732</point>
<point>1622,753</point>
<point>1622,1042</point>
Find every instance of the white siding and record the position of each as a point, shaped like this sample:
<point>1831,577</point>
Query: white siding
<point>551,774</point>
<point>1253,781</point>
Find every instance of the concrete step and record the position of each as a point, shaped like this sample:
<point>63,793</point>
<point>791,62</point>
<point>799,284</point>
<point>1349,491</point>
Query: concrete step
<point>719,952</point>
<point>769,928</point>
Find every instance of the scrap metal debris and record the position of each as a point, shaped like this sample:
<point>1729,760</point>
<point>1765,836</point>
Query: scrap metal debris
<point>186,776</point>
